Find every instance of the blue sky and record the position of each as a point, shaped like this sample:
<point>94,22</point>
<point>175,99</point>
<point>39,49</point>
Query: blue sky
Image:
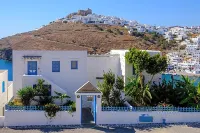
<point>18,16</point>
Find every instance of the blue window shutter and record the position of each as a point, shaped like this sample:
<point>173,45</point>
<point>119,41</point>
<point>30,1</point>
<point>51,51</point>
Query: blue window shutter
<point>55,66</point>
<point>3,86</point>
<point>74,64</point>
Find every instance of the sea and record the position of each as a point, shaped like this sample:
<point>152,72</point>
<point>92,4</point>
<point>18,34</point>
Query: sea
<point>7,65</point>
<point>170,77</point>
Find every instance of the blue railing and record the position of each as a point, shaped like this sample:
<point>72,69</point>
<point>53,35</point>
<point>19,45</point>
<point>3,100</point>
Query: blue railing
<point>146,109</point>
<point>33,108</point>
<point>65,108</point>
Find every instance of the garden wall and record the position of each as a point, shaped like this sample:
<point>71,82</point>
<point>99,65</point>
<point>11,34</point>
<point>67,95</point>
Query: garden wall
<point>26,118</point>
<point>121,117</point>
<point>2,121</point>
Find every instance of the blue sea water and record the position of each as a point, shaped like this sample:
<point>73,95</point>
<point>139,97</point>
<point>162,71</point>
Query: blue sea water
<point>8,66</point>
<point>169,77</point>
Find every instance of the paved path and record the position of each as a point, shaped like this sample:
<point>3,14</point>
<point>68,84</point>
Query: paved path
<point>169,129</point>
<point>87,117</point>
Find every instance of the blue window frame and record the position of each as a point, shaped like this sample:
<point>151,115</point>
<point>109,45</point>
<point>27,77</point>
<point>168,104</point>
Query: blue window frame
<point>74,64</point>
<point>55,66</point>
<point>32,67</point>
<point>3,86</point>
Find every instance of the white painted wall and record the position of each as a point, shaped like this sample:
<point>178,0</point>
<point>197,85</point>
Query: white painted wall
<point>127,69</point>
<point>98,64</point>
<point>3,95</point>
<point>3,77</point>
<point>2,121</point>
<point>10,90</point>
<point>27,118</point>
<point>89,67</point>
<point>126,117</point>
<point>109,117</point>
<point>29,80</point>
<point>67,79</point>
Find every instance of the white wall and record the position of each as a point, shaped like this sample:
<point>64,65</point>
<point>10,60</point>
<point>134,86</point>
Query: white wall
<point>127,69</point>
<point>67,79</point>
<point>120,117</point>
<point>2,121</point>
<point>3,77</point>
<point>3,95</point>
<point>29,80</point>
<point>97,65</point>
<point>27,118</point>
<point>10,90</point>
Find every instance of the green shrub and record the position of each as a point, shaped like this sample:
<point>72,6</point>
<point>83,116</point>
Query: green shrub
<point>109,30</point>
<point>72,104</point>
<point>119,32</point>
<point>42,91</point>
<point>51,110</point>
<point>26,95</point>
<point>99,28</point>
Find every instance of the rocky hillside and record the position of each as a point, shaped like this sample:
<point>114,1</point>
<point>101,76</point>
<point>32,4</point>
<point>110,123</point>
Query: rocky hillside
<point>96,39</point>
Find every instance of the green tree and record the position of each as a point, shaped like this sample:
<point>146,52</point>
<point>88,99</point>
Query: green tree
<point>189,93</point>
<point>43,92</point>
<point>156,64</point>
<point>139,60</point>
<point>26,95</point>
<point>111,90</point>
<point>142,61</point>
<point>163,93</point>
<point>140,95</point>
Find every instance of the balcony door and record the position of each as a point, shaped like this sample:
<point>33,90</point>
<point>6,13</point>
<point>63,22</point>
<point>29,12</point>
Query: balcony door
<point>32,67</point>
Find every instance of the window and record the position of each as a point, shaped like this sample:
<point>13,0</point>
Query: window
<point>89,98</point>
<point>3,86</point>
<point>55,66</point>
<point>74,64</point>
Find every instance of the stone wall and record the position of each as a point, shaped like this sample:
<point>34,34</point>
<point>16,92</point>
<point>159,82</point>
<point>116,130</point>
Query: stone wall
<point>80,12</point>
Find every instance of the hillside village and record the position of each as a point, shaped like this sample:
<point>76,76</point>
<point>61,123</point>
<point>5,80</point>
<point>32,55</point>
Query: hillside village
<point>178,33</point>
<point>114,33</point>
<point>187,61</point>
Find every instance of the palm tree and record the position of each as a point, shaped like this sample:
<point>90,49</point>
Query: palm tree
<point>60,96</point>
<point>192,92</point>
<point>140,95</point>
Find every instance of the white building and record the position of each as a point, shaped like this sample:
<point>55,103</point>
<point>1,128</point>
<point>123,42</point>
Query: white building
<point>192,48</point>
<point>6,90</point>
<point>66,71</point>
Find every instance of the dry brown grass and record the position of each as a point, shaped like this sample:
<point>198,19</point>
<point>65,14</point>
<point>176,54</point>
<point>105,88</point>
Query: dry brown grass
<point>76,36</point>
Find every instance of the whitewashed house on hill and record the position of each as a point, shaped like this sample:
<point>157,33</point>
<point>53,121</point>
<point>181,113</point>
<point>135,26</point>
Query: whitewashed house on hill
<point>68,69</point>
